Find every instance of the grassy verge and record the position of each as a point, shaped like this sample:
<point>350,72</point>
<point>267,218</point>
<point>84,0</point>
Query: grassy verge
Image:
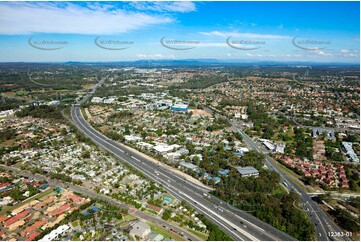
<point>293,176</point>
<point>200,235</point>
<point>129,217</point>
<point>164,232</point>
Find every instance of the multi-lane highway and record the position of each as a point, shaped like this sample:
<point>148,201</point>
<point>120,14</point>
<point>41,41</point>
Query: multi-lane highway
<point>323,223</point>
<point>239,225</point>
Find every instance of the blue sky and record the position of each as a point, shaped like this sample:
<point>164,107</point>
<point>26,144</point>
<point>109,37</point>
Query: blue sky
<point>237,31</point>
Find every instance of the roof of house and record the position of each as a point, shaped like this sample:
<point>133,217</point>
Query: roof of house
<point>33,227</point>
<point>4,184</point>
<point>153,207</point>
<point>32,236</point>
<point>188,165</point>
<point>60,210</point>
<point>223,172</point>
<point>19,216</point>
<point>75,198</point>
<point>3,218</point>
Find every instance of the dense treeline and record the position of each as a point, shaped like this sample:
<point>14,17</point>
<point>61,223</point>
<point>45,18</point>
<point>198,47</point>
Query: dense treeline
<point>333,150</point>
<point>346,220</point>
<point>264,198</point>
<point>41,111</point>
<point>7,103</point>
<point>217,124</point>
<point>202,82</point>
<point>303,144</point>
<point>7,134</point>
<point>114,136</point>
<point>119,116</point>
<point>215,234</point>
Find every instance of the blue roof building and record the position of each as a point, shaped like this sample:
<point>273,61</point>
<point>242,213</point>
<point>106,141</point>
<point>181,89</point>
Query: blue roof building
<point>179,107</point>
<point>223,172</point>
<point>216,179</point>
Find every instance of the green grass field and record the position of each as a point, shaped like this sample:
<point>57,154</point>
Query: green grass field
<point>164,232</point>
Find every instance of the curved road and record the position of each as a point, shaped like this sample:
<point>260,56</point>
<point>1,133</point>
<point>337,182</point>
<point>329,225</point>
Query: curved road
<point>323,223</point>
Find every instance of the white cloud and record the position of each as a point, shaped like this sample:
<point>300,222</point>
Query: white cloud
<point>253,55</point>
<point>208,44</point>
<point>155,56</point>
<point>70,18</point>
<point>182,6</point>
<point>344,51</point>
<point>244,35</point>
<point>322,53</point>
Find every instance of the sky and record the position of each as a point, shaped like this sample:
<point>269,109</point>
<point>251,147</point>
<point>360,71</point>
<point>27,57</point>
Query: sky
<point>230,31</point>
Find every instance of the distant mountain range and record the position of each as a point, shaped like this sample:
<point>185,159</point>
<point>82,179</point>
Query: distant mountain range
<point>212,62</point>
<point>193,62</point>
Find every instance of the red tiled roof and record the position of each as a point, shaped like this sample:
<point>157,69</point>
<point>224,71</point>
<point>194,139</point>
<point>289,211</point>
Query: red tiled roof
<point>33,227</point>
<point>75,198</point>
<point>48,200</point>
<point>3,218</point>
<point>155,208</point>
<point>36,184</point>
<point>4,184</point>
<point>43,203</point>
<point>306,173</point>
<point>60,210</point>
<point>32,236</point>
<point>19,216</point>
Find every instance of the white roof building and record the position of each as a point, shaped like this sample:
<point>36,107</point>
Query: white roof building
<point>350,152</point>
<point>97,100</point>
<point>162,148</point>
<point>131,138</point>
<point>55,233</point>
<point>188,165</point>
<point>280,148</point>
<point>247,171</point>
<point>140,230</point>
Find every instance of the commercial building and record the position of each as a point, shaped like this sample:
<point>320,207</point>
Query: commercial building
<point>280,148</point>
<point>163,148</point>
<point>187,165</point>
<point>179,107</point>
<point>247,171</point>
<point>330,133</point>
<point>55,233</point>
<point>140,230</point>
<point>347,146</point>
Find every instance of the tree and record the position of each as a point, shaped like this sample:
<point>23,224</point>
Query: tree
<point>85,154</point>
<point>167,214</point>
